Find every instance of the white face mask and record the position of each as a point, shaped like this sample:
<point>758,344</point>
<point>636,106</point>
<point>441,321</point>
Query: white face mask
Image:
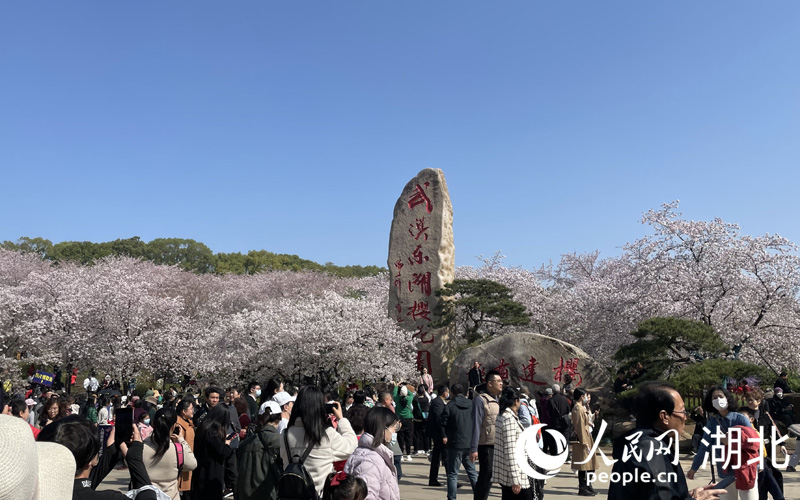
<point>394,437</point>
<point>258,393</point>
<point>720,403</point>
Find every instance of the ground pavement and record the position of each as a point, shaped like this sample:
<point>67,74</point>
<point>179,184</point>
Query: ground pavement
<point>414,484</point>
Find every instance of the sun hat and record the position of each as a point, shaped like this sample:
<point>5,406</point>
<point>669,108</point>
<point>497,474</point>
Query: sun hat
<point>31,470</point>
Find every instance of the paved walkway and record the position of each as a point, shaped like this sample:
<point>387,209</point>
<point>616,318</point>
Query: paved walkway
<point>414,484</point>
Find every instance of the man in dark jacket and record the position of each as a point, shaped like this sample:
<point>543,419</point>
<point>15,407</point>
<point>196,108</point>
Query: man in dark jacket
<point>559,410</point>
<point>660,409</point>
<point>259,458</point>
<point>436,433</point>
<point>456,421</point>
<point>475,377</point>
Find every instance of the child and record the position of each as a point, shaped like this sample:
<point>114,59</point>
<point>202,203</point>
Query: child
<point>345,487</point>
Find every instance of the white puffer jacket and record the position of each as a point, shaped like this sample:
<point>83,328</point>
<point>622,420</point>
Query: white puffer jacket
<point>376,467</point>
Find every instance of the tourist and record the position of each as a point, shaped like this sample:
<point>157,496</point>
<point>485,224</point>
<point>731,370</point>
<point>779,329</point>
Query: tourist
<point>781,409</point>
<point>457,426</point>
<point>253,393</point>
<point>527,409</point>
<point>286,403</point>
<point>767,482</point>
<point>514,483</point>
<point>244,418</point>
<point>436,433</point>
<point>720,405</point>
<point>485,409</point>
<point>90,384</point>
<point>384,400</point>
<point>51,412</point>
<point>349,400</point>
<point>144,425</point>
<point>426,380</point>
<point>18,408</point>
<point>558,410</point>
<point>344,487</point>
<point>700,420</point>
<point>581,460</point>
<point>404,401</point>
<point>185,411</point>
<point>622,383</point>
<point>783,382</point>
<point>258,457</point>
<point>372,460</point>
<point>81,438</point>
<point>212,399</point>
<point>90,409</point>
<point>273,387</point>
<point>309,425</point>
<point>764,423</point>
<point>212,451</point>
<point>357,415</point>
<point>166,455</point>
<point>659,409</point>
<point>475,377</point>
<point>420,411</point>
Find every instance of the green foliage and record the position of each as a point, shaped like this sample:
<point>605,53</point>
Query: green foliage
<point>479,308</point>
<point>713,371</point>
<point>189,254</point>
<point>664,345</point>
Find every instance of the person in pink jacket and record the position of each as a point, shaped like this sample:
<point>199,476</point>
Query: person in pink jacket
<point>373,461</point>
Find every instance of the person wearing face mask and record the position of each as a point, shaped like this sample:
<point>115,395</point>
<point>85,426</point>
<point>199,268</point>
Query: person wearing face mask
<point>581,459</point>
<point>372,460</point>
<point>719,405</point>
<point>659,409</point>
<point>762,421</point>
<point>144,425</point>
<point>781,409</point>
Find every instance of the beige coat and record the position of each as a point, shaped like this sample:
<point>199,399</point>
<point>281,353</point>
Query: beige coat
<point>580,424</point>
<point>185,481</point>
<point>163,471</point>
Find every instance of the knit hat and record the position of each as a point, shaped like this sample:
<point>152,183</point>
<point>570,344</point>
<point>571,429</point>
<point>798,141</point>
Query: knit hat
<point>31,470</point>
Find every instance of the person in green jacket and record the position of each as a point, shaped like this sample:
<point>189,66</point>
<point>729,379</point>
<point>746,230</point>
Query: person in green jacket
<point>404,400</point>
<point>91,409</point>
<point>259,457</point>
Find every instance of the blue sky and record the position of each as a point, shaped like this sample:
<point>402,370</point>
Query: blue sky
<point>293,126</point>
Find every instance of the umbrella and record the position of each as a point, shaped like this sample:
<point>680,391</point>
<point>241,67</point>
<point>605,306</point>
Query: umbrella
<point>109,392</point>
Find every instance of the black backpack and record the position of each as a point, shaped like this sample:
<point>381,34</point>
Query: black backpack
<point>296,482</point>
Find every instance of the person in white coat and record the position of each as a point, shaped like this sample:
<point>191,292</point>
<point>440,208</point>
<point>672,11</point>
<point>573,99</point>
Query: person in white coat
<point>309,423</point>
<point>373,461</point>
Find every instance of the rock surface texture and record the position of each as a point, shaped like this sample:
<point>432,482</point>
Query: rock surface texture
<point>535,361</point>
<point>422,260</point>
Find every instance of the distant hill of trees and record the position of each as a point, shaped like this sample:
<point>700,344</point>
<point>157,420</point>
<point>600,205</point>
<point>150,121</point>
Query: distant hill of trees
<point>190,255</point>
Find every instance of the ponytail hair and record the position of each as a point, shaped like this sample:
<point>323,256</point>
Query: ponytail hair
<point>165,420</point>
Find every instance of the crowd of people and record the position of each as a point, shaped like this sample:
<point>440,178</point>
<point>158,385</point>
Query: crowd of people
<point>249,443</point>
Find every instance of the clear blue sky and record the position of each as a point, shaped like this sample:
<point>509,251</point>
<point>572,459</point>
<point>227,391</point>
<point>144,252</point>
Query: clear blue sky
<point>292,126</point>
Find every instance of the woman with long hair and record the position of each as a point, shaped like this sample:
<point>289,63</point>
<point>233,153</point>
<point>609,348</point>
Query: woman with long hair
<point>51,411</point>
<point>720,405</point>
<point>420,410</point>
<point>164,451</point>
<point>309,425</point>
<point>271,388</point>
<point>514,483</point>
<point>373,461</point>
<point>581,449</point>
<point>211,450</point>
<point>185,411</point>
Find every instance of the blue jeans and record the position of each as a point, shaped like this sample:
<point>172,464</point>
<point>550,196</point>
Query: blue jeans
<point>456,457</point>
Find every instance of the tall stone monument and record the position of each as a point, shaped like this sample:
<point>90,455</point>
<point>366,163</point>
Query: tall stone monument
<point>422,260</point>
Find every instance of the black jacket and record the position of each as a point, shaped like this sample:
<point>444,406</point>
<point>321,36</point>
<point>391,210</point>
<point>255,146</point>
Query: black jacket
<point>457,423</point>
<point>83,489</point>
<point>670,489</point>
<point>434,428</point>
<point>260,465</point>
<point>558,408</point>
<point>474,377</point>
<point>208,479</point>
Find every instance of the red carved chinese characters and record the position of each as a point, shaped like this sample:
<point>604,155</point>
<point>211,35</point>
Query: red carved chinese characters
<point>570,367</point>
<point>423,281</point>
<point>420,228</point>
<point>417,256</point>
<point>502,368</point>
<point>423,360</point>
<point>419,310</point>
<point>423,335</point>
<point>529,371</point>
<point>419,197</point>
